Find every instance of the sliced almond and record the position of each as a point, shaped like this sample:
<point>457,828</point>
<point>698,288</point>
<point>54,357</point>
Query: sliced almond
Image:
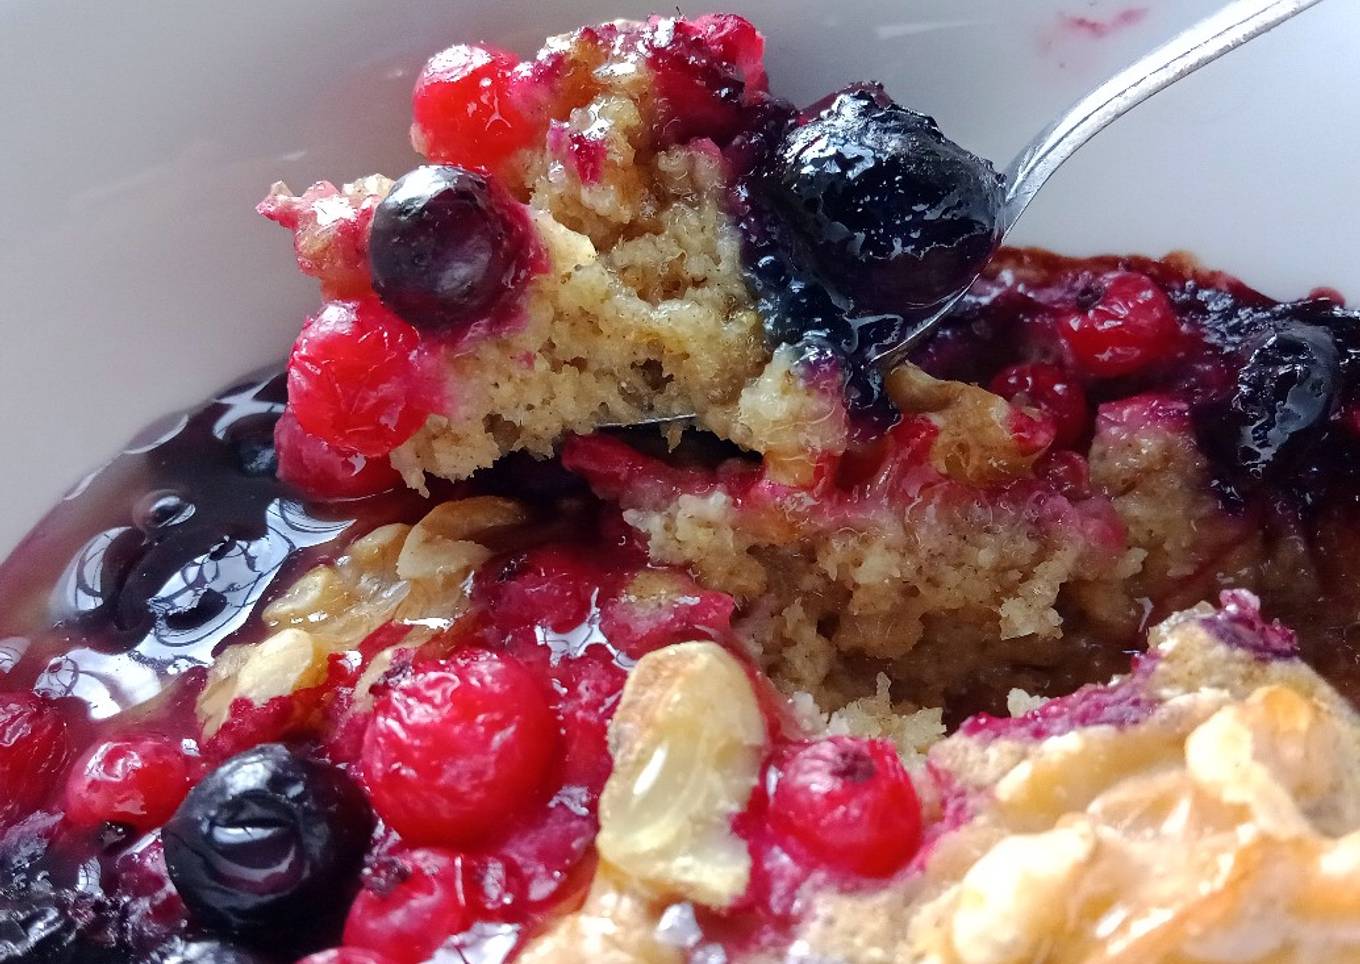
<point>441,546</point>
<point>687,741</point>
<point>284,663</point>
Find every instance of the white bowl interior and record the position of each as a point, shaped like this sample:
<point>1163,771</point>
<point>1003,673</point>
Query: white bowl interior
<point>137,141</point>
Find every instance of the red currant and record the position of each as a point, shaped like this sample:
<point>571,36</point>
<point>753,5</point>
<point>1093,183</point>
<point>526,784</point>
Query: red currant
<point>1130,325</point>
<point>459,747</point>
<point>1051,391</point>
<point>137,782</point>
<point>408,906</point>
<point>353,378</point>
<point>464,109</point>
<point>850,803</point>
<point>705,72</point>
<point>33,751</point>
<point>323,471</point>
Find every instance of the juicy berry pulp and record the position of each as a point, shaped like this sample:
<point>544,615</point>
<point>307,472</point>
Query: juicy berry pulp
<point>409,904</point>
<point>1049,389</point>
<point>458,748</point>
<point>33,751</point>
<point>850,803</point>
<point>448,247</point>
<point>353,378</point>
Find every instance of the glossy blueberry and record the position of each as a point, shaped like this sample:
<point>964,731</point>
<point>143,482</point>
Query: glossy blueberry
<point>447,246</point>
<point>891,210</point>
<point>1285,392</point>
<point>267,840</point>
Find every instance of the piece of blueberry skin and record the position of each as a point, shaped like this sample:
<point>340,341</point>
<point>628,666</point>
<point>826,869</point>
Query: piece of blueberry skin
<point>268,845</point>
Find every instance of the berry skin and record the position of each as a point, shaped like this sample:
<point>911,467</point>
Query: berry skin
<point>887,205</point>
<point>705,73</point>
<point>409,905</point>
<point>353,378</point>
<point>1284,396</point>
<point>850,803</point>
<point>465,111</point>
<point>449,247</point>
<point>1129,325</point>
<point>456,749</point>
<point>135,782</point>
<point>1051,391</point>
<point>322,471</point>
<point>34,749</point>
<point>268,840</point>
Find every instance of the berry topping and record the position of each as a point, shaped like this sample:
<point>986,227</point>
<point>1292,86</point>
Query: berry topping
<point>448,247</point>
<point>456,749</point>
<point>464,109</point>
<point>41,925</point>
<point>267,840</point>
<point>409,904</point>
<point>323,471</point>
<point>1123,323</point>
<point>33,751</point>
<point>135,782</point>
<point>886,202</point>
<point>850,803</point>
<point>705,71</point>
<point>1285,393</point>
<point>1051,391</point>
<point>202,951</point>
<point>352,378</point>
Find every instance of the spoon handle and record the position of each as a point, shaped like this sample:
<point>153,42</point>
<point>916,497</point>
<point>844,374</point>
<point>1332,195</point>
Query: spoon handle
<point>1183,54</point>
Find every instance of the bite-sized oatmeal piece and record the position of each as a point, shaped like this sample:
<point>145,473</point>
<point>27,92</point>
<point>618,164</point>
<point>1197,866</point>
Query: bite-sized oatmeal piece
<point>603,280</point>
<point>941,558</point>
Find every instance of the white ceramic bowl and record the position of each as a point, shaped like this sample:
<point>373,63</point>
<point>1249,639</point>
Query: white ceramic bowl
<point>137,138</point>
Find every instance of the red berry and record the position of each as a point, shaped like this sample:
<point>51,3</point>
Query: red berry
<point>456,749</point>
<point>409,905</point>
<point>33,751</point>
<point>464,109</point>
<point>1130,325</point>
<point>137,782</point>
<point>347,955</point>
<point>323,471</point>
<point>850,803</point>
<point>353,378</point>
<point>1051,391</point>
<point>705,72</point>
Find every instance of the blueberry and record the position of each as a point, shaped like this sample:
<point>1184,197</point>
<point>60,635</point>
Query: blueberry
<point>178,950</point>
<point>1285,393</point>
<point>446,247</point>
<point>266,841</point>
<point>40,924</point>
<point>890,209</point>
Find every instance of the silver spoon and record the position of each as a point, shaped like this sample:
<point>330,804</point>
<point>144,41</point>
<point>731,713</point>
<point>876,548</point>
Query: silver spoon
<point>1200,44</point>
